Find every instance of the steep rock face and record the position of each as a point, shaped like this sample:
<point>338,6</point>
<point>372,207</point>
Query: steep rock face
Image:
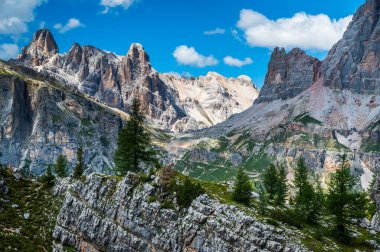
<point>40,120</point>
<point>353,63</point>
<point>16,118</point>
<point>41,48</point>
<point>114,80</point>
<point>289,74</point>
<point>103,214</point>
<point>137,78</point>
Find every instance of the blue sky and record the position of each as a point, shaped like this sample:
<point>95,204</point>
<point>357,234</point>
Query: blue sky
<point>173,32</point>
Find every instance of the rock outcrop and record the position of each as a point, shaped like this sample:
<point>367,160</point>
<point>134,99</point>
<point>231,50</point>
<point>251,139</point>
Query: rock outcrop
<point>353,63</point>
<point>115,80</point>
<point>103,214</point>
<point>289,74</point>
<point>40,50</point>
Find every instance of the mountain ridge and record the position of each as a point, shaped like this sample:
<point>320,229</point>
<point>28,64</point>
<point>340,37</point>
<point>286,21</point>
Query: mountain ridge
<point>115,79</point>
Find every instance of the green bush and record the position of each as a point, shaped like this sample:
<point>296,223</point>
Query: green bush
<point>187,192</point>
<point>287,216</point>
<point>167,204</point>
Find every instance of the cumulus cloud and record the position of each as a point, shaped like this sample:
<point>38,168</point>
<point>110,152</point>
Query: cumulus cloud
<point>115,3</point>
<point>71,24</point>
<point>216,31</point>
<point>230,61</point>
<point>16,14</point>
<point>190,57</point>
<point>8,51</point>
<point>309,32</point>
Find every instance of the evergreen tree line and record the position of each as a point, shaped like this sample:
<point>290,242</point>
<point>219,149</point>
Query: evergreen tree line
<point>308,202</point>
<point>61,170</point>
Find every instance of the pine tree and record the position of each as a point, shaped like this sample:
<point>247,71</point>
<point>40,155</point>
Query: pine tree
<point>305,193</point>
<point>80,166</point>
<point>317,203</point>
<point>61,166</point>
<point>48,178</point>
<point>282,187</point>
<point>242,188</point>
<point>263,200</point>
<point>371,201</point>
<point>343,202</point>
<point>134,144</point>
<point>271,181</point>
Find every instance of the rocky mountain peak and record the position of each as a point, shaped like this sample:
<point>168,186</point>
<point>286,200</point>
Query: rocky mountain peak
<point>137,53</point>
<point>353,63</point>
<point>289,74</point>
<point>115,80</point>
<point>40,49</point>
<point>135,65</point>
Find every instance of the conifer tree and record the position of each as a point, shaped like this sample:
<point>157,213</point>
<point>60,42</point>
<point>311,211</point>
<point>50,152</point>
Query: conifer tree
<point>61,166</point>
<point>282,187</point>
<point>80,166</point>
<point>48,178</point>
<point>371,200</point>
<point>242,188</point>
<point>134,144</point>
<point>317,203</point>
<point>271,181</point>
<point>305,193</point>
<point>263,200</point>
<point>343,202</point>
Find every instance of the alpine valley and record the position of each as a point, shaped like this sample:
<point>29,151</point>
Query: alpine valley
<point>205,128</point>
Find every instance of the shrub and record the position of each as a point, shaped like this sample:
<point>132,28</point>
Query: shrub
<point>187,192</point>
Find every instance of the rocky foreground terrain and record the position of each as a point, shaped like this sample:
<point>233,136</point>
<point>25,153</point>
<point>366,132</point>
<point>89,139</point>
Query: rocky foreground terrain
<point>103,214</point>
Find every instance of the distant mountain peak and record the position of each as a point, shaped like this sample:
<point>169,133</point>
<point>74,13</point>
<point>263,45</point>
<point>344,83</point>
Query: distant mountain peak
<point>40,49</point>
<point>289,74</point>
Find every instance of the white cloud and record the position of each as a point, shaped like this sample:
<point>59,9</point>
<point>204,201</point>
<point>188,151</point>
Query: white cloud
<point>237,62</point>
<point>309,32</point>
<point>8,51</point>
<point>216,31</point>
<point>15,15</point>
<point>190,57</point>
<point>71,24</point>
<point>115,3</point>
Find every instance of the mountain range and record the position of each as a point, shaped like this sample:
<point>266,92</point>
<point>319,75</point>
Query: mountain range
<point>209,125</point>
<point>52,103</point>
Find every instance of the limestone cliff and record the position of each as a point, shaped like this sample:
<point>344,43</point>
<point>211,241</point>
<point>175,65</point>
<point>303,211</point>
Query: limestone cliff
<point>40,120</point>
<point>289,74</point>
<point>104,214</point>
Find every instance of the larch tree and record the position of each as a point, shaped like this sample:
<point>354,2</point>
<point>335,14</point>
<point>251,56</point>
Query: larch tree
<point>134,145</point>
<point>242,188</point>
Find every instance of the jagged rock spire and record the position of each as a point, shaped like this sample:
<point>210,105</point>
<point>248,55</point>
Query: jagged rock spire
<point>288,74</point>
<point>40,49</point>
